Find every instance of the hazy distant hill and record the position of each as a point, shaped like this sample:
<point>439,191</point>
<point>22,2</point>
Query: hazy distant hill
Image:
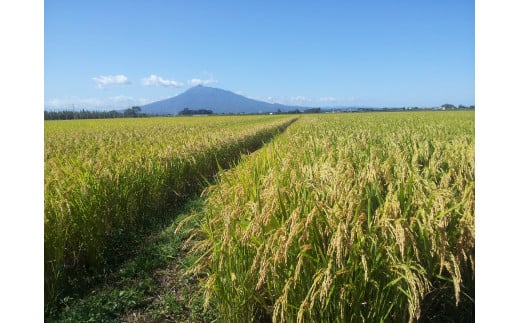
<point>217,100</point>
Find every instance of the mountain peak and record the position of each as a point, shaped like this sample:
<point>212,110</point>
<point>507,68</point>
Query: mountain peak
<point>214,99</point>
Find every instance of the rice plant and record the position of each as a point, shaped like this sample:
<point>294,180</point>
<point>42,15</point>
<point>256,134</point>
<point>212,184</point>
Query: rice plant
<point>108,180</point>
<point>346,218</point>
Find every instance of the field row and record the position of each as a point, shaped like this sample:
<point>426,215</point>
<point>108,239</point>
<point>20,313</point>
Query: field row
<point>346,218</point>
<point>106,180</point>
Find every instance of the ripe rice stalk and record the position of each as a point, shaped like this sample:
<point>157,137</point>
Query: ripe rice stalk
<point>345,218</point>
<point>106,181</point>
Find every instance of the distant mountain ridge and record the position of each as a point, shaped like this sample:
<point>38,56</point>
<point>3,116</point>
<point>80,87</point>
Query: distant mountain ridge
<point>214,99</point>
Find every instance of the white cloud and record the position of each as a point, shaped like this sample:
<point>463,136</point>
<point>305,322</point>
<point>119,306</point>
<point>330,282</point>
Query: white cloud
<point>159,81</point>
<point>299,99</point>
<point>328,99</point>
<point>196,81</point>
<point>103,81</point>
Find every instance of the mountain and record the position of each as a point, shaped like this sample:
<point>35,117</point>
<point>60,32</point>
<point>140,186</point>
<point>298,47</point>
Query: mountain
<point>214,99</point>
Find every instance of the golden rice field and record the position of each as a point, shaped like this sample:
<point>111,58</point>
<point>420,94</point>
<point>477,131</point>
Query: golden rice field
<point>346,218</point>
<point>105,180</point>
<point>351,217</point>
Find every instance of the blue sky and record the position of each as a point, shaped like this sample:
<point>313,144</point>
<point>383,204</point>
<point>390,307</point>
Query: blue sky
<point>326,51</point>
<point>115,54</point>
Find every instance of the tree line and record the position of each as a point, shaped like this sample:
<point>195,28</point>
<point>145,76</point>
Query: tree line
<point>190,112</point>
<point>448,106</point>
<point>133,112</point>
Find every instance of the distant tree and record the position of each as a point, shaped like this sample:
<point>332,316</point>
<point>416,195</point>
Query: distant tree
<point>132,112</point>
<point>189,112</point>
<point>136,111</point>
<point>85,114</point>
<point>312,110</point>
<point>448,106</point>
